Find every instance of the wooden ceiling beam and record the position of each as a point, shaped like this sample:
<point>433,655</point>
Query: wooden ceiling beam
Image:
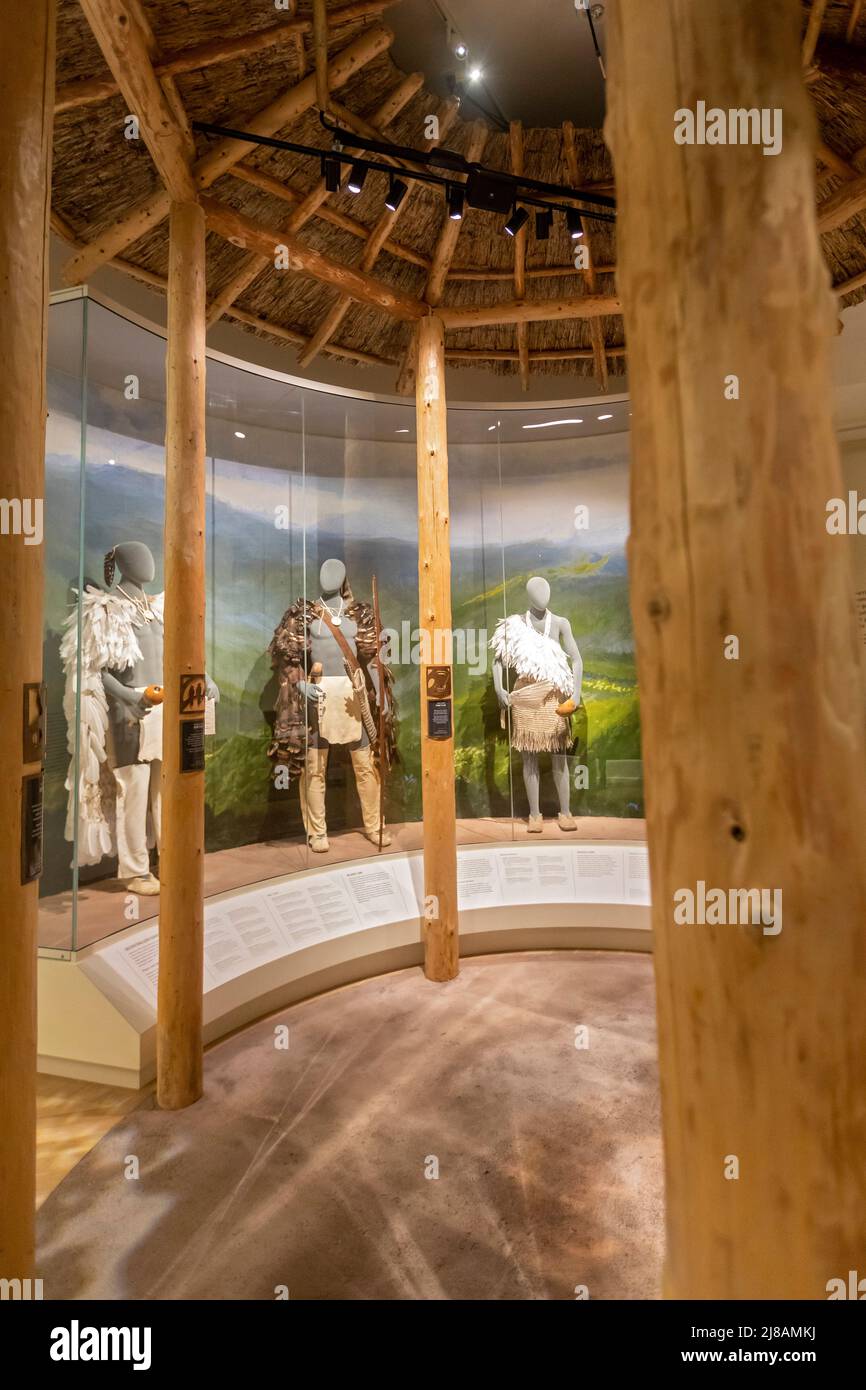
<point>515,143</point>
<point>587,306</point>
<point>538,272</point>
<point>853,20</point>
<point>537,355</point>
<point>309,207</point>
<point>204,55</point>
<point>124,37</point>
<point>595,328</point>
<point>245,232</point>
<point>856,282</point>
<point>378,239</point>
<point>449,232</point>
<point>150,211</point>
<point>287,192</point>
<point>843,203</point>
<point>813,30</point>
<point>291,335</point>
<point>443,255</point>
<point>320,52</point>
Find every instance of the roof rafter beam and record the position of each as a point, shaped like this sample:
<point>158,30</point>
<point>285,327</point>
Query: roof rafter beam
<point>287,192</point>
<point>309,206</point>
<point>596,330</point>
<point>378,239</point>
<point>813,30</point>
<point>443,255</point>
<point>515,140</point>
<point>320,52</point>
<point>204,55</point>
<point>587,306</point>
<point>222,156</point>
<point>269,241</point>
<point>126,41</point>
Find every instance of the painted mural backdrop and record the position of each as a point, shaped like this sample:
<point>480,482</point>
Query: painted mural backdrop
<point>514,514</point>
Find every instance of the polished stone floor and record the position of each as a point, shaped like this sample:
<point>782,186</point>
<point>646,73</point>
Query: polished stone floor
<point>395,1139</point>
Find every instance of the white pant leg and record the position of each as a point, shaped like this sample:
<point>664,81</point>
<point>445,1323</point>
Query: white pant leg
<point>133,794</point>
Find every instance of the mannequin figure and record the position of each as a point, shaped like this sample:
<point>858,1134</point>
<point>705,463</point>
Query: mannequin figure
<point>311,662</point>
<point>120,722</point>
<point>538,647</point>
<point>134,721</point>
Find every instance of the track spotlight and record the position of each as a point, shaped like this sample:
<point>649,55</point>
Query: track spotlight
<point>543,221</point>
<point>518,219</point>
<point>575,224</point>
<point>456,201</point>
<point>397,191</point>
<point>331,174</point>
<point>456,44</point>
<point>356,178</point>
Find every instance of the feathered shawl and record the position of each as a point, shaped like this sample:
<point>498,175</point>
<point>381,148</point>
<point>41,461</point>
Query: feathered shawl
<point>108,641</point>
<point>529,653</point>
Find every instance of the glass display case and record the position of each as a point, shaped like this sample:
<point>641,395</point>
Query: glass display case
<point>311,504</point>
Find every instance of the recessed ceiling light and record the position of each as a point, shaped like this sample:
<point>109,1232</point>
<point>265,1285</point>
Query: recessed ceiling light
<point>239,434</point>
<point>112,462</point>
<point>490,427</point>
<point>605,417</point>
<point>475,74</point>
<point>401,431</point>
<point>545,424</point>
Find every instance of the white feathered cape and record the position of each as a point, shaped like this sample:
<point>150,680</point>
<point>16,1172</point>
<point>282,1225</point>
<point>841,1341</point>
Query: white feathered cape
<point>529,653</point>
<point>108,640</point>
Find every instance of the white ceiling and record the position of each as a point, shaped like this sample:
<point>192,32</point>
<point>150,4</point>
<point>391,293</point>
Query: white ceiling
<point>537,56</point>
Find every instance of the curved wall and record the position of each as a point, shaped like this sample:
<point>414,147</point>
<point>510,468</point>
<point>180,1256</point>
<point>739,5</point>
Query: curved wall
<point>297,475</point>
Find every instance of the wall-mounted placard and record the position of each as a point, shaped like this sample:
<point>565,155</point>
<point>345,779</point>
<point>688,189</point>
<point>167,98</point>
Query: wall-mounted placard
<point>192,745</point>
<point>439,719</point>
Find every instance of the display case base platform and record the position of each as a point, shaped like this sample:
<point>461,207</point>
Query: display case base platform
<point>286,938</point>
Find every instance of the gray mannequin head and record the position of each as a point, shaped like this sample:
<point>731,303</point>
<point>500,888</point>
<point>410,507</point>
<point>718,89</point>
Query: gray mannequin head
<point>538,592</point>
<point>332,576</point>
<point>134,562</point>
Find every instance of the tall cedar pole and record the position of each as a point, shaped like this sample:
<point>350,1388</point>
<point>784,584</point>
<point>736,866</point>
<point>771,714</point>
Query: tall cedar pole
<point>754,766</point>
<point>181,911</point>
<point>27,88</point>
<point>434,604</point>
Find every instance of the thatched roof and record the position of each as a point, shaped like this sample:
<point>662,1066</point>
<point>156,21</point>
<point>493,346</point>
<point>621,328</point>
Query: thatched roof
<point>99,176</point>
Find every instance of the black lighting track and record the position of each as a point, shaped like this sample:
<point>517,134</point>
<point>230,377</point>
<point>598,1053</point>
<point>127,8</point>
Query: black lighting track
<point>518,189</point>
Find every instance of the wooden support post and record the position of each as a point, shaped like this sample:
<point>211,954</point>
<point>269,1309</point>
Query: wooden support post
<point>181,909</point>
<point>754,766</point>
<point>441,946</point>
<point>27,84</point>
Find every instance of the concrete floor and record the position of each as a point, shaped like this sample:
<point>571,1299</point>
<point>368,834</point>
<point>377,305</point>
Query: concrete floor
<point>311,1167</point>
